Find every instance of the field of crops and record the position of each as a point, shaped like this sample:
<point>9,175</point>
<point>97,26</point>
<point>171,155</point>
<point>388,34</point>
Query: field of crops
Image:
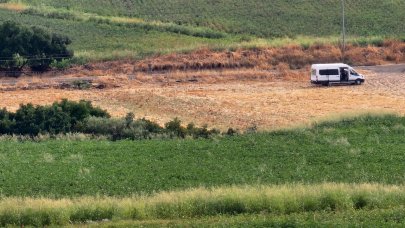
<point>258,17</point>
<point>368,149</point>
<point>102,41</point>
<point>241,180</point>
<point>135,29</point>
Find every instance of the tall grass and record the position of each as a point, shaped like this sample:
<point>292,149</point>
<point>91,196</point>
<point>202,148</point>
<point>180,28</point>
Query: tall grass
<point>200,202</point>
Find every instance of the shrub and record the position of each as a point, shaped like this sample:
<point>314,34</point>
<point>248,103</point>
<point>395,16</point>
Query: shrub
<point>62,64</point>
<point>174,127</point>
<point>31,46</point>
<point>6,122</point>
<point>232,132</point>
<point>81,84</point>
<point>129,118</point>
<point>104,126</point>
<point>124,128</point>
<point>16,63</point>
<point>67,117</point>
<point>202,132</point>
<point>62,117</point>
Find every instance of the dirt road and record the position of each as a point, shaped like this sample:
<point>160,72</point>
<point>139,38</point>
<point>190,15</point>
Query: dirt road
<point>240,98</point>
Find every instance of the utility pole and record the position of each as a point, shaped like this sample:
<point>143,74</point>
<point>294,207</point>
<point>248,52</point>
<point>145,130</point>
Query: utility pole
<point>343,31</point>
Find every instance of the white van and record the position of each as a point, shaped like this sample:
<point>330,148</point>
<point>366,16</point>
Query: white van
<point>336,73</point>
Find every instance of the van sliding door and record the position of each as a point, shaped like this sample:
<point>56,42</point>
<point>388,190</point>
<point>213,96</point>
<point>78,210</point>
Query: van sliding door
<point>334,75</point>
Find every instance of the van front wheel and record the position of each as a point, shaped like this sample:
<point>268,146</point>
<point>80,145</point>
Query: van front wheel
<point>357,82</point>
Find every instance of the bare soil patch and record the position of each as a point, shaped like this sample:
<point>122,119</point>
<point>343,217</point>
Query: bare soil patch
<point>231,98</point>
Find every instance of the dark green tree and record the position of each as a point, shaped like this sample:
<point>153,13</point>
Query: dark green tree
<point>30,46</point>
<point>6,122</point>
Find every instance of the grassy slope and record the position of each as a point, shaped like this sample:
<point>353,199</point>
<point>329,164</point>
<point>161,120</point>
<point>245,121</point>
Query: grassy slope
<point>103,41</point>
<point>366,150</point>
<point>259,17</point>
<point>241,20</point>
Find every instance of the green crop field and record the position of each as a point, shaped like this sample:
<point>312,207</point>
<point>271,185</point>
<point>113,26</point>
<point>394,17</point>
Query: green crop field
<point>258,17</point>
<point>260,179</point>
<point>367,149</point>
<point>105,30</point>
<point>102,41</point>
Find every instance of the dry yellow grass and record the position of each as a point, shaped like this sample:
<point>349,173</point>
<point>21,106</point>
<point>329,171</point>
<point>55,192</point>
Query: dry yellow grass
<point>13,6</point>
<point>232,98</point>
<point>202,202</point>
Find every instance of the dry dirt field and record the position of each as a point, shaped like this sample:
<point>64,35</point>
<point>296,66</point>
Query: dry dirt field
<point>231,98</point>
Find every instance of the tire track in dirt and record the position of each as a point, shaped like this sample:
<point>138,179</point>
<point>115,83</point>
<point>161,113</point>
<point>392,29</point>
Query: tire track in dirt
<point>387,79</point>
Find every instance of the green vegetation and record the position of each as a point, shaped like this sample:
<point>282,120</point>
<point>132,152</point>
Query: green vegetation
<point>92,40</point>
<point>280,204</point>
<point>353,150</point>
<point>62,117</point>
<point>67,117</point>
<point>275,18</point>
<point>361,218</point>
<point>34,47</point>
<point>109,30</point>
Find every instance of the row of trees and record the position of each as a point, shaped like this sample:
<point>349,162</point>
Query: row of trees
<point>82,117</point>
<point>34,47</point>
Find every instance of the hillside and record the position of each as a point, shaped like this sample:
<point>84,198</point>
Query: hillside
<point>108,30</point>
<point>258,17</point>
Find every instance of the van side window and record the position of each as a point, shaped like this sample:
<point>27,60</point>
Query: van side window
<point>324,72</point>
<point>334,72</point>
<point>329,72</point>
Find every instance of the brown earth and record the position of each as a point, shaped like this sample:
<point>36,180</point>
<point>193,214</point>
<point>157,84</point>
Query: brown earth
<point>237,98</point>
<point>272,58</point>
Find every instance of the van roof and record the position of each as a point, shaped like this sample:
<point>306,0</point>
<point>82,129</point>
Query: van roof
<point>329,65</point>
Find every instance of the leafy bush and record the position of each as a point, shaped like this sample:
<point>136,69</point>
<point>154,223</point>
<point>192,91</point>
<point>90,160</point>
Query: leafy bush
<point>62,117</point>
<point>68,117</point>
<point>232,132</point>
<point>202,132</point>
<point>122,128</point>
<point>174,127</point>
<point>16,63</point>
<point>62,64</point>
<point>6,122</point>
<point>31,46</point>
